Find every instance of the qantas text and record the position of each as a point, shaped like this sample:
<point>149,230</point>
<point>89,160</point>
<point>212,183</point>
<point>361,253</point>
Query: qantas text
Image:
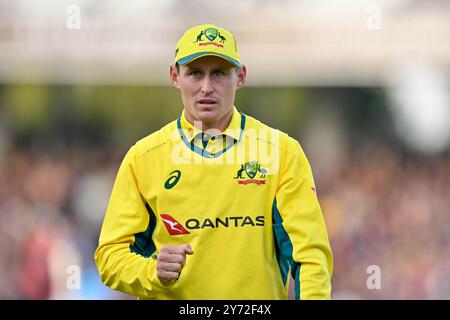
<point>226,222</point>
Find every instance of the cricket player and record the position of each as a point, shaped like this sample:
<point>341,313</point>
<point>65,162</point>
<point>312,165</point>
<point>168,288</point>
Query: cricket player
<point>215,205</point>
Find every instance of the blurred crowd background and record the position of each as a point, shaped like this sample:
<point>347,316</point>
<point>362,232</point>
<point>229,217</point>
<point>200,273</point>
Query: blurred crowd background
<point>364,86</point>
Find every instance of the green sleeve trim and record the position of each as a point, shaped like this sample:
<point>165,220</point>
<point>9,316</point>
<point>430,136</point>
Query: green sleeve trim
<point>284,249</point>
<point>143,243</point>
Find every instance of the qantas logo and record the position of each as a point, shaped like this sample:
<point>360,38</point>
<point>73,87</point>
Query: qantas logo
<point>173,226</point>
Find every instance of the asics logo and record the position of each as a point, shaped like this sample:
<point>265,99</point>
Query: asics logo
<point>173,179</point>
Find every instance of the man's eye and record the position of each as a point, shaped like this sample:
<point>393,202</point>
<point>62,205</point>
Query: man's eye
<point>194,73</point>
<point>219,73</point>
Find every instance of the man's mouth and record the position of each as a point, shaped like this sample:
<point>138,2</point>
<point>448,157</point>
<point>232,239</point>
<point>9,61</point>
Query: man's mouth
<point>207,101</point>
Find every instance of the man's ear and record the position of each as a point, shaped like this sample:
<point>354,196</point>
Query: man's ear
<point>241,76</point>
<point>174,77</point>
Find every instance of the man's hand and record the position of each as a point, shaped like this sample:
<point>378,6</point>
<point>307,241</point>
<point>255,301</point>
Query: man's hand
<point>171,260</point>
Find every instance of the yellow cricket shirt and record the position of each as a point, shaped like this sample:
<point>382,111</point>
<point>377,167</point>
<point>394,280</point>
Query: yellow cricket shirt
<point>245,201</point>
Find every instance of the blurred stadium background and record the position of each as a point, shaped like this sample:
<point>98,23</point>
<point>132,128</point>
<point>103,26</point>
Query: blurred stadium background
<point>364,85</point>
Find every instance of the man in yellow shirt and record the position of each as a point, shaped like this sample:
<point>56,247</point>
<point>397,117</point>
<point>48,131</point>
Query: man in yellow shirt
<point>215,205</point>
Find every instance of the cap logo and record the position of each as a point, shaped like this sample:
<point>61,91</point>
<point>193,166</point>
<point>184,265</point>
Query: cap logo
<point>222,38</point>
<point>199,37</point>
<point>211,43</point>
<point>211,33</point>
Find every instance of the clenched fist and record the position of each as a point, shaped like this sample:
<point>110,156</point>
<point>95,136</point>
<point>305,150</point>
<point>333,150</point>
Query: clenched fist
<point>171,260</point>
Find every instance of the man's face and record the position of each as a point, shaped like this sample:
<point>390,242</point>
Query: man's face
<point>208,85</point>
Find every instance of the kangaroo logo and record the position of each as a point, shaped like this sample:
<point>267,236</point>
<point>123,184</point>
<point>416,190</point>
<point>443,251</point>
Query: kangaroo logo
<point>173,226</point>
<point>251,169</point>
<point>199,37</point>
<point>211,34</point>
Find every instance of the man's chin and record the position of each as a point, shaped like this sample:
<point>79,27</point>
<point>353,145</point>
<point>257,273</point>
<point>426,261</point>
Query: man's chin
<point>208,117</point>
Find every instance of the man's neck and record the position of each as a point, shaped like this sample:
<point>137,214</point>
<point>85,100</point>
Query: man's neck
<point>219,125</point>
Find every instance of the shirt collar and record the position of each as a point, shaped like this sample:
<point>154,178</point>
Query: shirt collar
<point>233,130</point>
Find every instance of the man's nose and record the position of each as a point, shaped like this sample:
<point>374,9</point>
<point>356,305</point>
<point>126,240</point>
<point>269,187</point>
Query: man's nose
<point>207,87</point>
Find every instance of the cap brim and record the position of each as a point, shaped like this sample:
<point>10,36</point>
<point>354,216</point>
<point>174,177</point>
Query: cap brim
<point>197,55</point>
